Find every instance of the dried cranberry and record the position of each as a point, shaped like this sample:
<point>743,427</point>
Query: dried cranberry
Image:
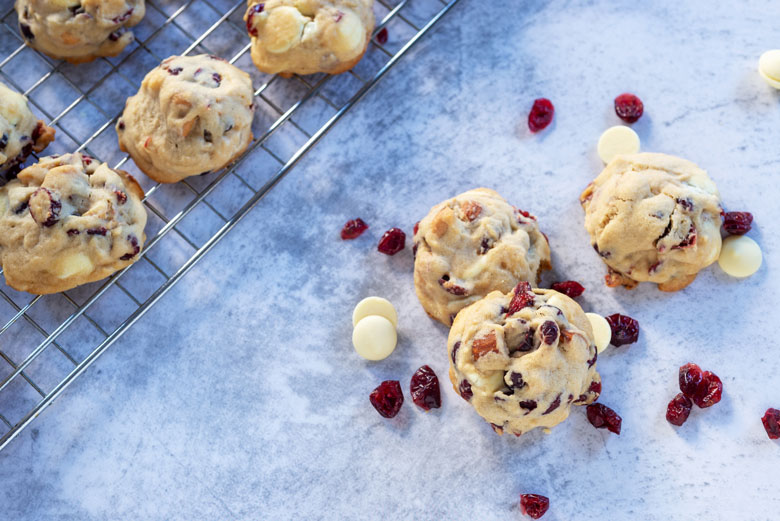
<point>121,125</point>
<point>121,197</point>
<point>3,141</point>
<point>541,114</point>
<point>174,71</point>
<point>207,137</point>
<point>465,390</point>
<point>123,18</point>
<point>690,378</point>
<point>534,505</point>
<point>26,31</point>
<point>387,399</point>
<point>523,297</point>
<point>771,421</point>
<point>73,232</point>
<point>709,390</point>
<point>517,380</point>
<point>678,409</point>
<point>455,350</point>
<point>454,289</point>
<point>629,108</point>
<point>97,231</point>
<point>116,35</point>
<point>554,405</point>
<point>529,405</point>
<point>353,229</point>
<point>549,332</point>
<point>217,77</point>
<point>381,36</point>
<point>685,203</point>
<point>255,9</point>
<point>602,417</point>
<point>737,223</point>
<point>424,388</point>
<point>392,241</point>
<point>416,227</point>
<point>625,330</point>
<point>136,248</point>
<point>569,288</point>
<point>48,209</point>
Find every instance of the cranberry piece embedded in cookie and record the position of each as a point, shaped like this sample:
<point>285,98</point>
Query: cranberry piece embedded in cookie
<point>629,107</point>
<point>690,239</point>
<point>392,241</point>
<point>570,288</point>
<point>121,197</point>
<point>449,287</point>
<point>97,231</point>
<point>523,297</point>
<point>123,18</point>
<point>3,141</point>
<point>353,229</point>
<point>602,417</point>
<point>207,137</point>
<point>690,378</point>
<point>554,405</point>
<point>549,332</point>
<point>625,330</point>
<point>44,207</point>
<point>388,398</point>
<point>771,421</point>
<point>529,405</point>
<point>541,114</point>
<point>455,348</point>
<point>134,245</point>
<point>424,388</point>
<point>174,71</point>
<point>678,409</point>
<point>517,380</point>
<point>217,77</point>
<point>534,505</point>
<point>737,223</point>
<point>250,26</point>
<point>709,390</point>
<point>465,390</point>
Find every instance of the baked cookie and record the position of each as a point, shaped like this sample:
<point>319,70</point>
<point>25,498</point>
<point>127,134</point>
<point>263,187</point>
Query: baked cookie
<point>653,217</point>
<point>471,245</point>
<point>68,220</point>
<point>523,358</point>
<point>193,114</point>
<point>309,36</point>
<point>78,31</point>
<point>20,131</point>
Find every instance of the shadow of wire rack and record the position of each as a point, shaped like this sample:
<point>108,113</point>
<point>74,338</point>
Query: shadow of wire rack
<point>46,342</point>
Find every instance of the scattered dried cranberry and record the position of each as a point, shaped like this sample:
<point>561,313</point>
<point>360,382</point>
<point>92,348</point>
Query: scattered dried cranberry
<point>737,223</point>
<point>602,417</point>
<point>771,421</point>
<point>549,332</point>
<point>424,388</point>
<point>569,288</point>
<point>541,114</point>
<point>523,297</point>
<point>709,391</point>
<point>392,241</point>
<point>387,399</point>
<point>690,378</point>
<point>534,505</point>
<point>678,409</point>
<point>255,9</point>
<point>465,390</point>
<point>381,36</point>
<point>629,108</point>
<point>416,227</point>
<point>353,229</point>
<point>625,330</point>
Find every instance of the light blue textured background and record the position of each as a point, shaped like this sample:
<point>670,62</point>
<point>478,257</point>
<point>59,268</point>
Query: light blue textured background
<point>240,397</point>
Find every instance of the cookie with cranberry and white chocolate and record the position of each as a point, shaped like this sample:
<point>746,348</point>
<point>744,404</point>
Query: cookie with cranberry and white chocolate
<point>523,358</point>
<point>78,31</point>
<point>309,36</point>
<point>654,218</point>
<point>66,221</point>
<point>193,114</point>
<point>20,131</point>
<point>471,245</point>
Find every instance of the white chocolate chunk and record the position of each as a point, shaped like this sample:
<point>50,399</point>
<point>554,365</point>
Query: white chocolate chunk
<point>73,264</point>
<point>374,306</point>
<point>617,140</point>
<point>740,256</point>
<point>350,33</point>
<point>602,333</point>
<point>769,67</point>
<point>374,338</point>
<point>283,29</point>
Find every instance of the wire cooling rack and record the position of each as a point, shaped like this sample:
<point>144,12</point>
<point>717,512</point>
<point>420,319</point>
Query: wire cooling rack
<point>46,342</point>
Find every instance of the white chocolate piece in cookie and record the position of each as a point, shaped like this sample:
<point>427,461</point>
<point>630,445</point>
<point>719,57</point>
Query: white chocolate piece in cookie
<point>78,31</point>
<point>740,256</point>
<point>308,36</point>
<point>374,338</point>
<point>20,131</point>
<point>654,218</point>
<point>616,141</point>
<point>193,114</point>
<point>374,306</point>
<point>602,333</point>
<point>66,221</point>
<point>523,358</point>
<point>471,245</point>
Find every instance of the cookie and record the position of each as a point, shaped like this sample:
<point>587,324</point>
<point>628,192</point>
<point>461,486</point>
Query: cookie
<point>20,131</point>
<point>66,221</point>
<point>523,358</point>
<point>193,114</point>
<point>655,218</point>
<point>309,36</point>
<point>78,31</point>
<point>471,245</point>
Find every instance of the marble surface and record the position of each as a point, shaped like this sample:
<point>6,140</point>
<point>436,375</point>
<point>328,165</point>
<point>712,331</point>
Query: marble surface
<point>240,396</point>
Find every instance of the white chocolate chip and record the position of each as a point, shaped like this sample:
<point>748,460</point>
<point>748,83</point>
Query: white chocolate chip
<point>73,264</point>
<point>740,256</point>
<point>374,338</point>
<point>617,140</point>
<point>602,333</point>
<point>283,28</point>
<point>769,67</point>
<point>350,33</point>
<point>374,306</point>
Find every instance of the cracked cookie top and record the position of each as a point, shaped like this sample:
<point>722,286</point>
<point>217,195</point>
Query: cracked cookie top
<point>471,245</point>
<point>653,217</point>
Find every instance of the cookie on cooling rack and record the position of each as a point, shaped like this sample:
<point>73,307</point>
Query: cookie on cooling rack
<point>523,358</point>
<point>68,220</point>
<point>471,245</point>
<point>309,36</point>
<point>20,131</point>
<point>193,114</point>
<point>78,31</point>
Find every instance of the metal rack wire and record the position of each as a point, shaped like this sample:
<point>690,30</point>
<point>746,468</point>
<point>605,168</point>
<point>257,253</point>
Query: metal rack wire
<point>46,342</point>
